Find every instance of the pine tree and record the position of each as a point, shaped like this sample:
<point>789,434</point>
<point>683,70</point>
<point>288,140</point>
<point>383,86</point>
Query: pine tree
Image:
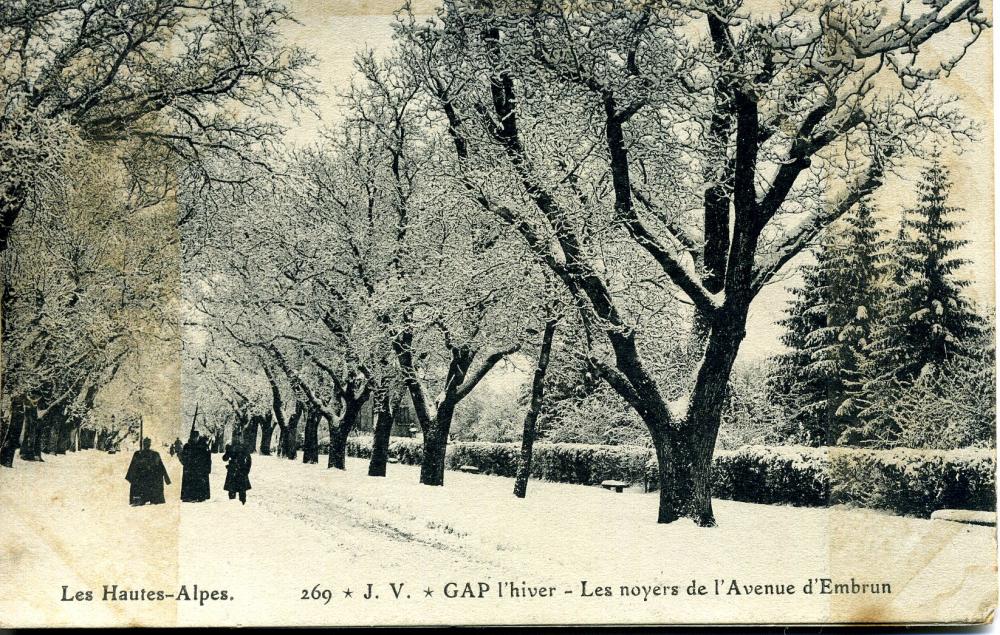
<point>791,384</point>
<point>926,318</point>
<point>828,328</point>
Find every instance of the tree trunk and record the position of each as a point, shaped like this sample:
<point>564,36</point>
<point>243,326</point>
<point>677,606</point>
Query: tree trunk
<point>338,449</point>
<point>289,443</point>
<point>13,197</point>
<point>685,475</point>
<point>380,438</point>
<point>10,440</point>
<point>435,449</point>
<point>266,433</point>
<point>283,444</point>
<point>76,437</point>
<point>87,439</point>
<point>531,418</point>
<point>6,304</point>
<point>31,446</point>
<point>250,434</point>
<point>48,437</point>
<point>289,437</point>
<point>63,433</point>
<point>338,434</point>
<point>685,454</point>
<point>310,442</point>
<point>58,431</point>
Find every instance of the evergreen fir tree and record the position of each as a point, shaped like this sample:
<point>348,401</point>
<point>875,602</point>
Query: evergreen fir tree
<point>926,318</point>
<point>926,321</point>
<point>791,385</point>
<point>828,328</point>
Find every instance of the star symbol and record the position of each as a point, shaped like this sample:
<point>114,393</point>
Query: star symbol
<point>348,593</point>
<point>428,592</point>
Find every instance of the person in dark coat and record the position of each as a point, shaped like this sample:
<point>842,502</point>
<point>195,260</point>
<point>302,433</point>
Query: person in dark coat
<point>237,471</point>
<point>204,491</point>
<point>146,476</point>
<point>197,461</point>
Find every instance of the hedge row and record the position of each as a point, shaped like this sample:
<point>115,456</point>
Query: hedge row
<point>905,481</point>
<point>561,462</point>
<point>403,449</point>
<point>914,482</point>
<point>759,474</point>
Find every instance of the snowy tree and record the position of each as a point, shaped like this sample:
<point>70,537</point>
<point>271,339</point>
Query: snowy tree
<point>926,320</point>
<point>89,301</point>
<point>360,267</point>
<point>173,72</point>
<point>954,408</point>
<point>752,415</point>
<point>927,317</point>
<point>711,143</point>
<point>828,329</point>
<point>190,81</point>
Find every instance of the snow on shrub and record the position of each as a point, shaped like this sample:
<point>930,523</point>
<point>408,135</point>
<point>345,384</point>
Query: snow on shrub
<point>403,449</point>
<point>794,475</point>
<point>588,464</point>
<point>904,481</point>
<point>914,482</point>
<point>490,458</point>
<point>562,462</point>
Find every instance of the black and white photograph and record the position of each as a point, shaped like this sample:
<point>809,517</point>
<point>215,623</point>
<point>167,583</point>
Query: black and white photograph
<point>497,312</point>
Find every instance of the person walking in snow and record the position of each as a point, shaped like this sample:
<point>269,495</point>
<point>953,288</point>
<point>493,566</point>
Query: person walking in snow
<point>197,461</point>
<point>146,476</point>
<point>237,471</point>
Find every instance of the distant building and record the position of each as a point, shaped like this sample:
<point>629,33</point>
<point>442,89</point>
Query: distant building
<point>403,419</point>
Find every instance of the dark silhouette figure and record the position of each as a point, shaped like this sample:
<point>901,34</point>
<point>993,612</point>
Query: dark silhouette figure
<point>176,447</point>
<point>237,471</point>
<point>197,461</point>
<point>146,476</point>
<point>205,469</point>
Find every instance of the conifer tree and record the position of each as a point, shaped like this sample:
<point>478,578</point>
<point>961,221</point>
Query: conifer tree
<point>829,323</point>
<point>926,321</point>
<point>926,318</point>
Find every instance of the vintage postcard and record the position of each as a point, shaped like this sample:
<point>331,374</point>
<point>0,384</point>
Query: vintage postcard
<point>497,312</point>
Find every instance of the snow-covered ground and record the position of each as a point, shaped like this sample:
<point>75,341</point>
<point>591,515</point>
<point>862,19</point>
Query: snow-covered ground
<point>308,529</point>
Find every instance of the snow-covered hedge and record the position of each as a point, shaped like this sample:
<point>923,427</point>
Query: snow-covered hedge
<point>561,462</point>
<point>914,482</point>
<point>403,449</point>
<point>905,481</point>
<point>792,475</point>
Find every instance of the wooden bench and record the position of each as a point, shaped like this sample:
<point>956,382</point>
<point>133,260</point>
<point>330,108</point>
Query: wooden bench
<point>469,469</point>
<point>618,486</point>
<point>967,516</point>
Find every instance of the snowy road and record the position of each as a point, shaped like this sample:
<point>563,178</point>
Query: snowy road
<point>306,529</point>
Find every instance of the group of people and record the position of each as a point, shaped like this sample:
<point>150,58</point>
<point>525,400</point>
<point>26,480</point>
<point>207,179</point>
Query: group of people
<point>147,474</point>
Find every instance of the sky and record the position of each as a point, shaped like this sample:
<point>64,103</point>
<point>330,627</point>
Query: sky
<point>334,31</point>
